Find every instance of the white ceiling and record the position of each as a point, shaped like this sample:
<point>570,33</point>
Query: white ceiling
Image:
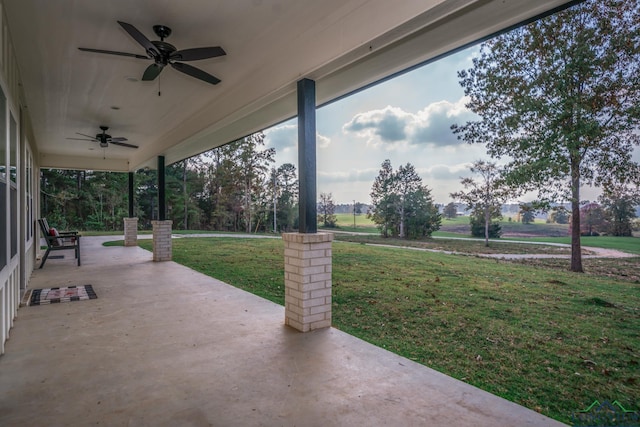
<point>341,44</point>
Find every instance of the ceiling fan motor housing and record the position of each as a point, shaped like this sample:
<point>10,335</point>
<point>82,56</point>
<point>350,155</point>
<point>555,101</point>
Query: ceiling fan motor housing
<point>165,49</point>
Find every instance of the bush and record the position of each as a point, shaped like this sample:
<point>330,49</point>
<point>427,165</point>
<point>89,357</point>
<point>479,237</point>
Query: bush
<point>477,227</point>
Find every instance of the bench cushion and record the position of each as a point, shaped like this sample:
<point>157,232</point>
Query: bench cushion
<point>54,232</point>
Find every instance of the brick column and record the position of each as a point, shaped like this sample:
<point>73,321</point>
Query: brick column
<point>131,231</point>
<point>307,280</point>
<point>162,240</point>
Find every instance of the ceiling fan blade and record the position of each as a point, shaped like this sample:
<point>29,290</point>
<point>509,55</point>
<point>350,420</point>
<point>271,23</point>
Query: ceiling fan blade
<point>195,72</point>
<point>93,138</point>
<point>122,144</point>
<point>119,139</point>
<point>141,39</point>
<point>197,53</point>
<point>111,52</point>
<point>152,72</point>
<point>83,139</point>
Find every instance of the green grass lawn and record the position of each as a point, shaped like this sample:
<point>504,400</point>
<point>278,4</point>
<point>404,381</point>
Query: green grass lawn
<point>464,246</point>
<point>548,339</point>
<point>626,244</point>
<point>362,223</point>
<point>459,227</point>
<point>540,231</point>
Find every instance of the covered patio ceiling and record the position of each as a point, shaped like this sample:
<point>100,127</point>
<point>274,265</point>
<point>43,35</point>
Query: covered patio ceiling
<point>344,45</point>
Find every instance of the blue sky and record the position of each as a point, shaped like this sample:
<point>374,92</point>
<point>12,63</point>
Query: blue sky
<point>406,120</point>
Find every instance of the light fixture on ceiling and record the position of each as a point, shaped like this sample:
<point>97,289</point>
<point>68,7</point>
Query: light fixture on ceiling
<point>115,107</point>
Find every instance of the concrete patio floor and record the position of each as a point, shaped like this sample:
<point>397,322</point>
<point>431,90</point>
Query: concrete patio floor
<point>164,345</point>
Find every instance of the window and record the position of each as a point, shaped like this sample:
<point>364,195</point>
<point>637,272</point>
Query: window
<point>13,187</point>
<point>29,195</point>
<point>3,180</point>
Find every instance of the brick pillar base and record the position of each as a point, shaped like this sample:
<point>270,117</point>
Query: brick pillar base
<point>307,280</point>
<point>131,231</point>
<point>162,240</point>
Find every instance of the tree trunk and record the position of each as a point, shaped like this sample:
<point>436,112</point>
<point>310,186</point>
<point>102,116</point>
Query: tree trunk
<point>576,249</point>
<point>184,193</point>
<point>248,207</point>
<point>487,221</point>
<point>402,220</point>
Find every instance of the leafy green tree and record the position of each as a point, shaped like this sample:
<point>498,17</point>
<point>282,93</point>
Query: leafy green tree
<point>184,183</point>
<point>85,200</point>
<point>236,184</point>
<point>593,220</point>
<point>221,199</point>
<point>253,166</point>
<point>484,197</point>
<point>560,98</point>
<point>59,195</point>
<point>527,213</point>
<point>559,215</point>
<point>478,224</point>
<point>146,184</point>
<point>421,215</point>
<point>450,211</point>
<point>326,210</point>
<point>102,192</point>
<point>402,206</point>
<point>619,203</point>
<point>406,183</point>
<point>382,199</point>
<point>288,191</point>
<point>279,199</point>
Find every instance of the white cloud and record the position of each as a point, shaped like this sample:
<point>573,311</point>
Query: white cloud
<point>395,126</point>
<point>386,125</point>
<point>285,138</point>
<point>445,172</point>
<point>322,141</point>
<point>353,175</point>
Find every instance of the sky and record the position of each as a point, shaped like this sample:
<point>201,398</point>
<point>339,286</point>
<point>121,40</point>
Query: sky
<point>406,120</point>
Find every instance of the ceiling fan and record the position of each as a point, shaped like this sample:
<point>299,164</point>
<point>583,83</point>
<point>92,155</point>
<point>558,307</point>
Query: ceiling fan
<point>163,53</point>
<point>105,139</point>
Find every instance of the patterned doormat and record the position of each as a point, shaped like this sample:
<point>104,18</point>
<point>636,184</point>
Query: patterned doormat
<point>62,294</point>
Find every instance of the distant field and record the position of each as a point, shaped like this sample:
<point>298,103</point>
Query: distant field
<point>537,228</point>
<point>460,226</point>
<point>538,231</point>
<point>362,223</point>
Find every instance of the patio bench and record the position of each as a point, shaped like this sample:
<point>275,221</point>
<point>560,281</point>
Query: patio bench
<point>59,240</point>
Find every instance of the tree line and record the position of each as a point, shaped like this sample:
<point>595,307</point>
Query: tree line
<point>236,187</point>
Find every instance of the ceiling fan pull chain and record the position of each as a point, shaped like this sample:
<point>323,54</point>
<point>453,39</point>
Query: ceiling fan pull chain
<point>158,85</point>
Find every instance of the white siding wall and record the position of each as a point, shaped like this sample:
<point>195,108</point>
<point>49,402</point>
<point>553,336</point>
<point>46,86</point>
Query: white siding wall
<point>20,255</point>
